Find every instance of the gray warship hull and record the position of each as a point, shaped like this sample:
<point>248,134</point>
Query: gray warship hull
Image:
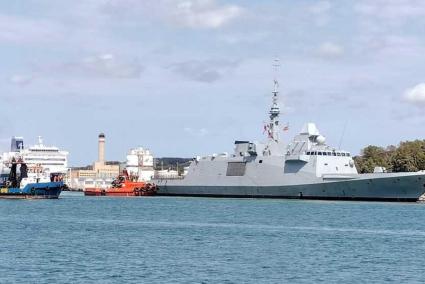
<point>367,187</point>
<point>306,168</point>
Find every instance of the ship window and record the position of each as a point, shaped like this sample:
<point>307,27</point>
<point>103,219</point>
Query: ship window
<point>343,154</point>
<point>236,169</point>
<point>260,161</point>
<point>329,153</point>
<point>319,153</point>
<point>338,154</point>
<point>333,154</point>
<point>314,153</point>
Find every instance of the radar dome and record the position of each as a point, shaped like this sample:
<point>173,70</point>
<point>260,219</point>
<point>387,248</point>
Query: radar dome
<point>320,139</point>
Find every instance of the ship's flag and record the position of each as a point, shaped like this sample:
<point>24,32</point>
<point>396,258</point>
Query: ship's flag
<point>266,128</point>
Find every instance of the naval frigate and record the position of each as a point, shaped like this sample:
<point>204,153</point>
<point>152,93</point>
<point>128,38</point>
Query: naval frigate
<point>306,168</point>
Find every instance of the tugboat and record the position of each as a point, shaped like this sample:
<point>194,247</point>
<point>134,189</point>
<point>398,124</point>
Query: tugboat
<point>124,185</point>
<point>36,186</point>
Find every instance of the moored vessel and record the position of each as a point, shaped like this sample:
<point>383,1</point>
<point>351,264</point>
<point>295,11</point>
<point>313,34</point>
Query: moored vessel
<point>18,184</point>
<point>306,168</point>
<point>124,185</point>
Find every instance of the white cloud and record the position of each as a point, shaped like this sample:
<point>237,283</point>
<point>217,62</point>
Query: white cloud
<point>321,7</point>
<point>203,71</point>
<point>111,66</point>
<point>207,14</point>
<point>196,132</point>
<point>398,10</point>
<point>104,65</point>
<point>100,66</point>
<point>204,13</point>
<point>21,80</point>
<point>387,16</point>
<point>320,12</point>
<point>244,38</point>
<point>416,95</point>
<point>26,30</point>
<point>330,50</point>
<point>393,45</point>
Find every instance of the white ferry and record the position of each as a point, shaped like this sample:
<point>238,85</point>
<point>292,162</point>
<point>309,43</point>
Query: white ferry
<point>39,158</point>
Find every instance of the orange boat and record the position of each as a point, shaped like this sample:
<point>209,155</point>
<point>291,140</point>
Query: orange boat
<point>124,185</point>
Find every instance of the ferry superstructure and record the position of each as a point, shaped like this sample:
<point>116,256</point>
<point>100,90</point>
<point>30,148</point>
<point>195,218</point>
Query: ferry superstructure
<point>306,168</point>
<point>38,157</point>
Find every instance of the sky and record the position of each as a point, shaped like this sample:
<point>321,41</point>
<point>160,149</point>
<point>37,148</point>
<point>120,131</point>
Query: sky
<point>186,77</point>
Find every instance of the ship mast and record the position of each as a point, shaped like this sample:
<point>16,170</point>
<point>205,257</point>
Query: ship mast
<point>274,110</point>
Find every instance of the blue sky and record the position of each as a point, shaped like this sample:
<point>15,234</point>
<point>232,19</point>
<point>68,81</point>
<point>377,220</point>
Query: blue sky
<point>186,77</point>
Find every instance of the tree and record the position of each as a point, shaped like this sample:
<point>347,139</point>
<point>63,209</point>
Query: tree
<point>372,156</point>
<point>409,156</point>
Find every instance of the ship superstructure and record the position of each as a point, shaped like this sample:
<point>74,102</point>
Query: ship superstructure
<point>305,168</point>
<point>38,157</point>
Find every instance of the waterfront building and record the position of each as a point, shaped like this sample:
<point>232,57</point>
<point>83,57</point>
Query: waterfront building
<point>101,173</point>
<point>140,163</point>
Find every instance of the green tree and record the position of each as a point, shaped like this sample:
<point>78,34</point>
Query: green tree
<point>372,156</point>
<point>409,157</point>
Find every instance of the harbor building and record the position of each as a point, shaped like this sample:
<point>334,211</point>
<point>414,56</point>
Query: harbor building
<point>102,169</point>
<point>140,163</point>
<point>101,173</point>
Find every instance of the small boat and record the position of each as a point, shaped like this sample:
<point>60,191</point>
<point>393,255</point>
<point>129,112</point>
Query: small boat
<point>124,185</point>
<point>36,186</point>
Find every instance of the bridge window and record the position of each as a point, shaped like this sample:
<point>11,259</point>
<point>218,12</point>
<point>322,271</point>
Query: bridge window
<point>338,154</point>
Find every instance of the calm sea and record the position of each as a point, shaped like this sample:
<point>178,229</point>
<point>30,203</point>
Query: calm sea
<point>79,239</point>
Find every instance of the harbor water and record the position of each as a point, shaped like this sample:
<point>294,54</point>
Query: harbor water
<point>79,239</point>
